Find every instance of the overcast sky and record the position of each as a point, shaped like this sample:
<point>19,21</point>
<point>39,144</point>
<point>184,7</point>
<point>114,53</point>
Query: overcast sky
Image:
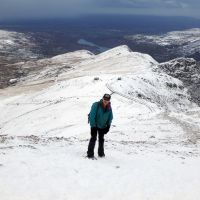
<point>12,9</point>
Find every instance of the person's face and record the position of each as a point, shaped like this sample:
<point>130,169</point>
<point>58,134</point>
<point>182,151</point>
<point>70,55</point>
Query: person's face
<point>105,102</point>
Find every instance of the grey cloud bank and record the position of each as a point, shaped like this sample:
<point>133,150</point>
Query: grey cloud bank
<point>14,9</point>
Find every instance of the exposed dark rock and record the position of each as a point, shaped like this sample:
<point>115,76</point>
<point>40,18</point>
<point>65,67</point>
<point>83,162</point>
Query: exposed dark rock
<point>188,71</point>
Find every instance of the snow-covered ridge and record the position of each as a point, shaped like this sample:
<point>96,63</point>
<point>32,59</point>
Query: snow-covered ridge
<point>44,133</point>
<point>178,65</point>
<point>8,39</point>
<point>139,75</point>
<point>154,89</point>
<point>125,51</point>
<point>53,67</point>
<point>188,40</point>
<point>11,38</point>
<point>81,54</point>
<point>188,71</point>
<point>16,44</point>
<point>172,38</point>
<point>118,59</point>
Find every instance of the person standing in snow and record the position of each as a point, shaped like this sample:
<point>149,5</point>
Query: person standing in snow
<point>100,119</point>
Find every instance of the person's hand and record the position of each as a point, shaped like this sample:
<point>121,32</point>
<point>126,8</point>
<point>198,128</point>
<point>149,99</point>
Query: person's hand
<point>107,129</point>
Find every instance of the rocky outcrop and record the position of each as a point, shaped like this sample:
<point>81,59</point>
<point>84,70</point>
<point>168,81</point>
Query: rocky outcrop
<point>188,71</point>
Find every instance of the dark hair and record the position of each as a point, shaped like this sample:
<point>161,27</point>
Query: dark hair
<point>107,97</point>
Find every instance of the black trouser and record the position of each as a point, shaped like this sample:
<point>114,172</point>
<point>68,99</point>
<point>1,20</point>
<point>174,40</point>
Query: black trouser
<point>92,142</point>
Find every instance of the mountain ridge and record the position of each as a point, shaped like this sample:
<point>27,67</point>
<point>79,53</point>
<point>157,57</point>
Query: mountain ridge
<point>44,132</point>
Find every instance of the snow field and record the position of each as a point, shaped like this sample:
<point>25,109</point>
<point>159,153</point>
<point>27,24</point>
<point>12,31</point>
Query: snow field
<point>150,153</point>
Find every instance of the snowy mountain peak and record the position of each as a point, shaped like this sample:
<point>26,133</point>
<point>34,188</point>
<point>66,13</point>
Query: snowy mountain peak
<point>120,49</point>
<point>119,59</point>
<point>80,54</point>
<point>122,59</point>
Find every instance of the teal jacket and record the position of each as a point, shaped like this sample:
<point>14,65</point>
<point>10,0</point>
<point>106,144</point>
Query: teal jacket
<point>103,115</point>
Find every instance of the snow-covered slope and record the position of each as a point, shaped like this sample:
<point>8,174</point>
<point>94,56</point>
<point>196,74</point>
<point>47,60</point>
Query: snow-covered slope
<point>52,67</point>
<point>16,45</point>
<point>188,41</point>
<point>188,71</point>
<point>79,63</point>
<point>152,149</point>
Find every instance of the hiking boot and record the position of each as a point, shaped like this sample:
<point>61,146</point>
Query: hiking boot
<point>101,155</point>
<point>90,156</point>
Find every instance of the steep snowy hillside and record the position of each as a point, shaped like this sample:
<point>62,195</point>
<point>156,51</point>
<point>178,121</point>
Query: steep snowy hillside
<point>188,71</point>
<point>152,149</point>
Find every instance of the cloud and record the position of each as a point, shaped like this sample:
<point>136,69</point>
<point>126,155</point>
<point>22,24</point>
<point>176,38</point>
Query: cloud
<point>65,8</point>
<point>44,8</point>
<point>150,3</point>
<point>157,7</point>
